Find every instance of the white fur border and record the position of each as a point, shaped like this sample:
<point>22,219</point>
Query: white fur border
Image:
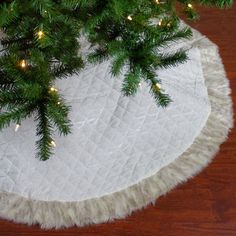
<point>120,204</point>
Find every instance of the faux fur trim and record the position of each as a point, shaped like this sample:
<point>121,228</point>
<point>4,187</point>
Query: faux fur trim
<point>55,214</point>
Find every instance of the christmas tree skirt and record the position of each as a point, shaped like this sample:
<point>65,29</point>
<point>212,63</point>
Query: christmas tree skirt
<point>124,152</point>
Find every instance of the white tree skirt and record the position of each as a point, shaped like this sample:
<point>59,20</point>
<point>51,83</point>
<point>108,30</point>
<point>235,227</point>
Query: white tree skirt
<point>116,142</point>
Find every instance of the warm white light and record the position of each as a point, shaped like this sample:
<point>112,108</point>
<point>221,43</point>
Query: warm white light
<point>53,144</point>
<point>40,34</point>
<point>130,18</point>
<point>190,5</point>
<point>23,63</point>
<point>158,85</point>
<point>157,1</point>
<point>17,127</point>
<point>52,89</point>
<point>160,22</point>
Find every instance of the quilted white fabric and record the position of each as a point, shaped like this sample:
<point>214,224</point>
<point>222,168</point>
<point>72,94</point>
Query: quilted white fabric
<point>116,141</point>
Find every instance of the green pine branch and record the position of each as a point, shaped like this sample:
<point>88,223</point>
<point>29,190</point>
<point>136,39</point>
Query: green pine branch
<point>41,44</point>
<point>44,132</point>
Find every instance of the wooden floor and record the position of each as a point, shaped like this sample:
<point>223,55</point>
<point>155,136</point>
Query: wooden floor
<point>206,205</point>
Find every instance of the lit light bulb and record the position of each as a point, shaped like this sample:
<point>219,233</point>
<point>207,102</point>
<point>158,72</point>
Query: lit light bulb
<point>23,64</point>
<point>58,103</point>
<point>52,89</point>
<point>158,85</point>
<point>190,5</point>
<point>53,144</point>
<point>157,1</point>
<point>169,24</point>
<point>40,34</point>
<point>129,18</point>
<point>160,22</point>
<point>17,127</point>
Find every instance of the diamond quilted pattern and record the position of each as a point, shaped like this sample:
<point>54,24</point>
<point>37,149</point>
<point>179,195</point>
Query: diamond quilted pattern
<point>116,141</point>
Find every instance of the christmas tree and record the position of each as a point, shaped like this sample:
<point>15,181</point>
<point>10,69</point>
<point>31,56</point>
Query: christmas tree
<point>40,44</point>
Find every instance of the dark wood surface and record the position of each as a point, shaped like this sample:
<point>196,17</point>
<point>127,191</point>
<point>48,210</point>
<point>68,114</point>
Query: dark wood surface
<point>205,205</point>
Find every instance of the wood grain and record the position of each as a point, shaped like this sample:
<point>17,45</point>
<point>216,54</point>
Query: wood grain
<point>205,205</point>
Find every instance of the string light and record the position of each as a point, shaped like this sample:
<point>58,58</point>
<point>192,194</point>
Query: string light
<point>160,22</point>
<point>190,5</point>
<point>129,18</point>
<point>40,34</point>
<point>52,89</point>
<point>158,85</point>
<point>17,127</point>
<point>23,64</point>
<point>159,1</point>
<point>58,103</point>
<point>53,144</point>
